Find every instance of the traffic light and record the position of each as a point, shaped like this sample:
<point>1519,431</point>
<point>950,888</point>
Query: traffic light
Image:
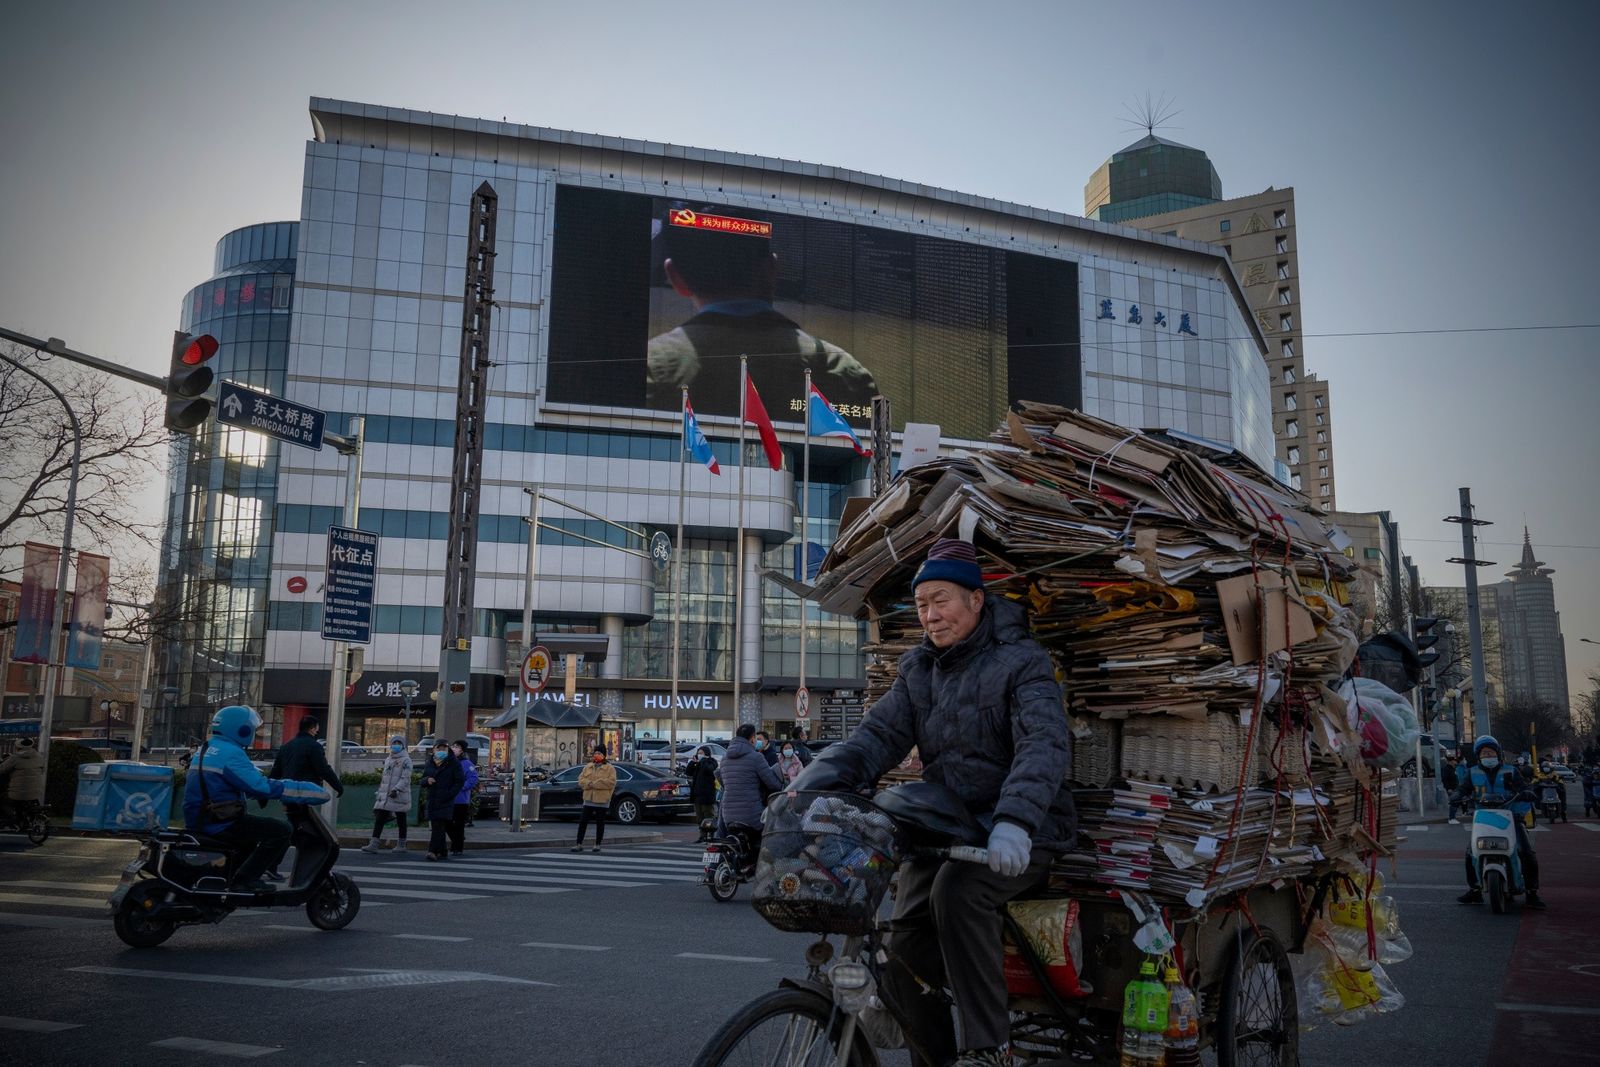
<point>188,381</point>
<point>1423,640</point>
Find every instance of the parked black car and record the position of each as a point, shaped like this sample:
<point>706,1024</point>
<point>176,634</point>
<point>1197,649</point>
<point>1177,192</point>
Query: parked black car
<point>642,793</point>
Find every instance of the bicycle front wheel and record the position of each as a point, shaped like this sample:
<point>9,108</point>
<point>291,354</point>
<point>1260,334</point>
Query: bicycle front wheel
<point>784,1028</point>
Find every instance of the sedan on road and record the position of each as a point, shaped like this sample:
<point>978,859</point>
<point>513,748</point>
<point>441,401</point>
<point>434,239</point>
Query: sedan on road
<point>642,792</point>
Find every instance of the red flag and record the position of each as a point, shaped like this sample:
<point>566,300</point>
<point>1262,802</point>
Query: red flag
<point>755,413</point>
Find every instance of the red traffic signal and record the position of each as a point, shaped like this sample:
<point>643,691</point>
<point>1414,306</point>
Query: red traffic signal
<point>188,380</point>
<point>198,350</point>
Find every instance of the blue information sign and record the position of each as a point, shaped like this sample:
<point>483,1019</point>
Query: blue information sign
<point>347,590</point>
<point>240,406</point>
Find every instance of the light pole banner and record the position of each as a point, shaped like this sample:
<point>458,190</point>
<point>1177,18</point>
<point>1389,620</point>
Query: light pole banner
<point>39,564</point>
<point>89,611</point>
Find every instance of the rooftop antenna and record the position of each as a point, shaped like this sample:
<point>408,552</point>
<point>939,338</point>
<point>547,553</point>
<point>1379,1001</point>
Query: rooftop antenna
<point>1151,114</point>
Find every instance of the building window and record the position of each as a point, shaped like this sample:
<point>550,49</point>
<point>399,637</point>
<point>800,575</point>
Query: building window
<point>1294,454</point>
<point>1290,401</point>
<point>1283,268</point>
<point>1282,244</point>
<point>1288,376</point>
<point>1322,437</point>
<point>1285,296</point>
<point>1280,219</point>
<point>1294,480</point>
<point>1322,420</point>
<point>1319,401</point>
<point>1291,428</point>
<point>1322,472</point>
<point>1372,553</point>
<point>1326,489</point>
<point>1285,321</point>
<point>1287,348</point>
<point>1227,225</point>
<point>1322,453</point>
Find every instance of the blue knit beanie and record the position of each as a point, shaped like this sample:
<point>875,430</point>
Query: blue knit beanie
<point>950,560</point>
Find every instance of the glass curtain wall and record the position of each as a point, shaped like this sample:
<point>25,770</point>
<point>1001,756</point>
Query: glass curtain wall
<point>222,494</point>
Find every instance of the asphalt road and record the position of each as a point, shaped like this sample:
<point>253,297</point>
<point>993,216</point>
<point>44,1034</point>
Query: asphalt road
<point>557,959</point>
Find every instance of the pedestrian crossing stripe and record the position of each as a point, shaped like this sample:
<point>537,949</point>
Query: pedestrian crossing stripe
<point>1590,826</point>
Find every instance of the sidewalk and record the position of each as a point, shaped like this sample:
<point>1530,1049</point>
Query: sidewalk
<point>487,835</point>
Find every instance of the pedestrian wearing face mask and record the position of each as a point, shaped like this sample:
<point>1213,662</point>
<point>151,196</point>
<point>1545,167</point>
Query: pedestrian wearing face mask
<point>393,800</point>
<point>463,805</point>
<point>789,764</point>
<point>763,745</point>
<point>598,782</point>
<point>442,779</point>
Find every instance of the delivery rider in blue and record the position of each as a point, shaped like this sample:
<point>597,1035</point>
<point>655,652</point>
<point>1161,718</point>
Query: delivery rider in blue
<point>220,783</point>
<point>1491,783</point>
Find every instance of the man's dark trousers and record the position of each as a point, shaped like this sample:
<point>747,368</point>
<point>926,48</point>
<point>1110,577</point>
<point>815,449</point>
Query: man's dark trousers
<point>947,928</point>
<point>271,840</point>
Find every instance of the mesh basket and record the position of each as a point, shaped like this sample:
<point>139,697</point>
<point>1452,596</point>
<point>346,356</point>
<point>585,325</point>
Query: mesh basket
<point>826,862</point>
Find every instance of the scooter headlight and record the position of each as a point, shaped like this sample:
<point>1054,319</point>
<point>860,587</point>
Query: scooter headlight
<point>1492,844</point>
<point>853,986</point>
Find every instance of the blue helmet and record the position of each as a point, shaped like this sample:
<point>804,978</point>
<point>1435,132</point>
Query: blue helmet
<point>236,723</point>
<point>1484,741</point>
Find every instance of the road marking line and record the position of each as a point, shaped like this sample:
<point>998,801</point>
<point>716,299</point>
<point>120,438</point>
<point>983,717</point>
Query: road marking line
<point>286,926</point>
<point>38,1026</point>
<point>47,922</point>
<point>91,887</point>
<point>592,861</point>
<point>1547,1009</point>
<point>380,886</point>
<point>429,937</point>
<point>493,879</point>
<point>723,959</point>
<point>417,894</point>
<point>1590,826</point>
<point>1414,829</point>
<point>627,870</point>
<point>1424,885</point>
<point>216,1048</point>
<point>181,976</point>
<point>54,902</point>
<point>574,948</point>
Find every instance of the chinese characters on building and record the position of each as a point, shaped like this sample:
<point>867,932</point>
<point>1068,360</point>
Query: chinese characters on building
<point>1136,318</point>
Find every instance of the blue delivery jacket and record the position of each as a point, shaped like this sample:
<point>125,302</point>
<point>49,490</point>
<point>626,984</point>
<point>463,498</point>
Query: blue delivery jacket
<point>231,776</point>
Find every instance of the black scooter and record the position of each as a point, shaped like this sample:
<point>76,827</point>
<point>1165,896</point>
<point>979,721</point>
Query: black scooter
<point>182,877</point>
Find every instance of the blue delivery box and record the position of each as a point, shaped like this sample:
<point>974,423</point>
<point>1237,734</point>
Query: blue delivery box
<point>122,795</point>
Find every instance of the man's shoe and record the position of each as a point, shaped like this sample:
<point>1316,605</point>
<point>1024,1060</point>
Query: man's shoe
<point>595,849</point>
<point>1471,896</point>
<point>1534,900</point>
<point>256,885</point>
<point>984,1057</point>
<point>433,856</point>
<point>577,848</point>
<point>1455,822</point>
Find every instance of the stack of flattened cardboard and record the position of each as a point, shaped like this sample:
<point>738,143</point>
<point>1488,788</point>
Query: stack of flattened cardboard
<point>1188,600</point>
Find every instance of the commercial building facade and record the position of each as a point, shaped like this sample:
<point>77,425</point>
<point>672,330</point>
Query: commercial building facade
<point>950,305</point>
<point>1174,190</point>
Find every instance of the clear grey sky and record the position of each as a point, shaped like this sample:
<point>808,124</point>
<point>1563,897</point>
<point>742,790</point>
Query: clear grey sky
<point>1443,156</point>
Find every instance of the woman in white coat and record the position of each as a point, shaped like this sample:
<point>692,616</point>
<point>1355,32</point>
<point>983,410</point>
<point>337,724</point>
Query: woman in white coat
<point>394,795</point>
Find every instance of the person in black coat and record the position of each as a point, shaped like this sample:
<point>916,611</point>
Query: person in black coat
<point>442,779</point>
<point>702,774</point>
<point>304,760</point>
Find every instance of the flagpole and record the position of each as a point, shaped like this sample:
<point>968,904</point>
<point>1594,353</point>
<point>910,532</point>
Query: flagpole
<point>677,588</point>
<point>805,542</point>
<point>738,582</point>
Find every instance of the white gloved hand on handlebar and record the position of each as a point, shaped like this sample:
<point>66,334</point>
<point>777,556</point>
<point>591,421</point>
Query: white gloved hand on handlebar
<point>1010,848</point>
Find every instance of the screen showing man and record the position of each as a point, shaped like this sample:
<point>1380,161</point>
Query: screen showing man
<point>726,268</point>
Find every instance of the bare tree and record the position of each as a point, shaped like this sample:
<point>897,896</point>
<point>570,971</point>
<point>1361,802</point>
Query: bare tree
<point>124,441</point>
<point>1519,726</point>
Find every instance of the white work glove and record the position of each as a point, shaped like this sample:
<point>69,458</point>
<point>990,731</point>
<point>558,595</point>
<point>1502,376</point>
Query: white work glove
<point>1010,848</point>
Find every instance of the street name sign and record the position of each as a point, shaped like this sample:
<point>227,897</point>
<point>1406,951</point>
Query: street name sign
<point>347,590</point>
<point>241,406</point>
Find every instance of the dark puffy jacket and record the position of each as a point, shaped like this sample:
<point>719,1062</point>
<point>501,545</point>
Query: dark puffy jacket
<point>305,759</point>
<point>745,777</point>
<point>986,718</point>
<point>702,772</point>
<point>439,799</point>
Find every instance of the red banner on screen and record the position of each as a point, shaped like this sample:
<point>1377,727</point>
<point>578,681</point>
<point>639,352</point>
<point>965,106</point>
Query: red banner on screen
<point>723,223</point>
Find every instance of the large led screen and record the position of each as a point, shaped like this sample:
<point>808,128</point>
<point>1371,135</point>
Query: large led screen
<point>649,295</point>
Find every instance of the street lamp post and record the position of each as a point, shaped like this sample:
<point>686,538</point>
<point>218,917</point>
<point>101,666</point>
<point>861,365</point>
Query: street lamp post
<point>409,689</point>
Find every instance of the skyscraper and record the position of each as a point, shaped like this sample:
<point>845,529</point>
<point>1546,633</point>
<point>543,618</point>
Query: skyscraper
<point>1174,190</point>
<point>1531,646</point>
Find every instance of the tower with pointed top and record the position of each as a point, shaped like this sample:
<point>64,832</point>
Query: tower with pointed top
<point>1533,650</point>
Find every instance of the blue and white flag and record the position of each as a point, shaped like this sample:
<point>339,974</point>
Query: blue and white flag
<point>826,422</point>
<point>694,440</point>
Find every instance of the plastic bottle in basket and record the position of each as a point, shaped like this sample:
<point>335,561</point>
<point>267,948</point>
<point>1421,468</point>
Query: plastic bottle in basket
<point>1182,1038</point>
<point>1144,1020</point>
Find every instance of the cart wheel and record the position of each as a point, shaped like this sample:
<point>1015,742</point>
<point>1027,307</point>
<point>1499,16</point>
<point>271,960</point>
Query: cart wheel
<point>1258,1020</point>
